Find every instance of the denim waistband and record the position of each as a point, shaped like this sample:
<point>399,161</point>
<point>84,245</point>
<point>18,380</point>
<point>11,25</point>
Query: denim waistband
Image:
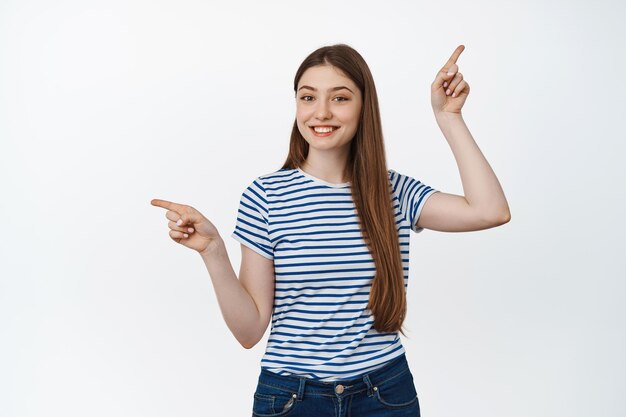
<point>340,388</point>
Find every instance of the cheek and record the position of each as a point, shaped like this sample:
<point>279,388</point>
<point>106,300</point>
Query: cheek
<point>302,115</point>
<point>301,120</point>
<point>350,116</point>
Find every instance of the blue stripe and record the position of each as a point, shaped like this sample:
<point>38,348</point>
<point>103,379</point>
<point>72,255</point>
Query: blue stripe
<point>323,271</point>
<point>289,366</point>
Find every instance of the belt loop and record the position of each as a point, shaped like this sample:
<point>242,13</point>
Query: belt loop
<point>366,379</point>
<point>301,388</point>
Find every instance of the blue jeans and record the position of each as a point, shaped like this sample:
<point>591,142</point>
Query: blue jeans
<point>386,391</point>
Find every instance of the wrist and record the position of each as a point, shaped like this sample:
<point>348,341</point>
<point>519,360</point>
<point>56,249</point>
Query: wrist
<point>215,247</point>
<point>444,116</point>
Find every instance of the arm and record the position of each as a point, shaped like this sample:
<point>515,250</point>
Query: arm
<point>246,303</point>
<point>484,204</point>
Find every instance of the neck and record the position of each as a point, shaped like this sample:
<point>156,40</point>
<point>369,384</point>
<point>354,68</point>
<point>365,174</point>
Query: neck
<point>330,168</point>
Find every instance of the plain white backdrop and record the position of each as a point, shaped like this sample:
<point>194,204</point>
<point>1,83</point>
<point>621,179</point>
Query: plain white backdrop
<point>107,105</point>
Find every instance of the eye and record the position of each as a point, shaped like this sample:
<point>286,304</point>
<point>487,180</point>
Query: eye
<point>304,98</point>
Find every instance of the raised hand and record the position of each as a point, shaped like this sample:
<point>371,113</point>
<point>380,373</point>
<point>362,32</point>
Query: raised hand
<point>449,90</point>
<point>188,226</point>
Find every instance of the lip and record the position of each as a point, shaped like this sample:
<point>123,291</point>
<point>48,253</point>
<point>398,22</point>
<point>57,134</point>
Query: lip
<point>332,132</point>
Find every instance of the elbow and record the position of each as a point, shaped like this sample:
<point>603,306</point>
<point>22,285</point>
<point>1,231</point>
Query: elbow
<point>505,215</point>
<point>494,218</point>
<point>250,338</point>
<point>248,343</point>
<point>500,218</point>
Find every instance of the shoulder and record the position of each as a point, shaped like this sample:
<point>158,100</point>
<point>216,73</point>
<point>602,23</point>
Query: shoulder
<point>264,184</point>
<point>394,174</point>
<point>404,185</point>
<point>271,176</point>
<point>276,174</point>
<point>397,179</point>
<point>274,177</point>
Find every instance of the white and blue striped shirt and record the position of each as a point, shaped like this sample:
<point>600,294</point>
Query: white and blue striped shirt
<point>321,328</point>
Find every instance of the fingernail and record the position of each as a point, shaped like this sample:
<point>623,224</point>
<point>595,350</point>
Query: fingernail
<point>450,73</point>
<point>179,222</point>
<point>445,84</point>
<point>448,92</point>
<point>185,234</point>
<point>190,230</point>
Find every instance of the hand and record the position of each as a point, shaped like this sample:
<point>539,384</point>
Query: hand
<point>458,87</point>
<point>201,233</point>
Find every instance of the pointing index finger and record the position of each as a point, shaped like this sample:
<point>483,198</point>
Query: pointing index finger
<point>454,56</point>
<point>165,204</point>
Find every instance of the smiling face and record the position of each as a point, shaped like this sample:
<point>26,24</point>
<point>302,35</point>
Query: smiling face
<point>326,97</point>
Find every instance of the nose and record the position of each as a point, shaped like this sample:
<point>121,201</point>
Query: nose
<point>323,110</point>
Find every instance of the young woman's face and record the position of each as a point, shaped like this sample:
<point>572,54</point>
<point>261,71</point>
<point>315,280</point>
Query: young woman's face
<point>326,97</point>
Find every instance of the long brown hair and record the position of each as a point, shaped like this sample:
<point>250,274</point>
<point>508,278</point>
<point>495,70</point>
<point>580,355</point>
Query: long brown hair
<point>366,168</point>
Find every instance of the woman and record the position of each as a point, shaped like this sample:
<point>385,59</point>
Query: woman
<point>325,244</point>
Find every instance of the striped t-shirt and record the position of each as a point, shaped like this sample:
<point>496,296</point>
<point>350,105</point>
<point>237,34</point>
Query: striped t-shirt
<point>321,328</point>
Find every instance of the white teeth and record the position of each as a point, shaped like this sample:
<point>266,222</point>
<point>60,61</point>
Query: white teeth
<point>323,129</point>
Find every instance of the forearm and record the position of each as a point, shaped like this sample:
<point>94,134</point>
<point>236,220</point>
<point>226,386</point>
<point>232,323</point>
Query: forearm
<point>480,185</point>
<point>238,307</point>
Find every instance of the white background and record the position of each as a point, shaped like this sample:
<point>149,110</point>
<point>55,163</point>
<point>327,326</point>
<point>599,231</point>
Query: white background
<point>107,105</point>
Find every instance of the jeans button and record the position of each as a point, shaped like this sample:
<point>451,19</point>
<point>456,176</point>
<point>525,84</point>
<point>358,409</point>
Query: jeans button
<point>339,389</point>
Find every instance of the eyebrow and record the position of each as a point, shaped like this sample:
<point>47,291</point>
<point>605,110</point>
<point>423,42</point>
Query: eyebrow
<point>330,89</point>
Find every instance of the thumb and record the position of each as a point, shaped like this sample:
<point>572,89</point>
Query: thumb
<point>445,74</point>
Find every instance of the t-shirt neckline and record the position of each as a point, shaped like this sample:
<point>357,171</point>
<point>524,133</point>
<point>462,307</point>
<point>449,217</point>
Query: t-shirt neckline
<point>326,183</point>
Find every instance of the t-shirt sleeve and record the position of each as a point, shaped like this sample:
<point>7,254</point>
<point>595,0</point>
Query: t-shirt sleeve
<point>252,224</point>
<point>412,195</point>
